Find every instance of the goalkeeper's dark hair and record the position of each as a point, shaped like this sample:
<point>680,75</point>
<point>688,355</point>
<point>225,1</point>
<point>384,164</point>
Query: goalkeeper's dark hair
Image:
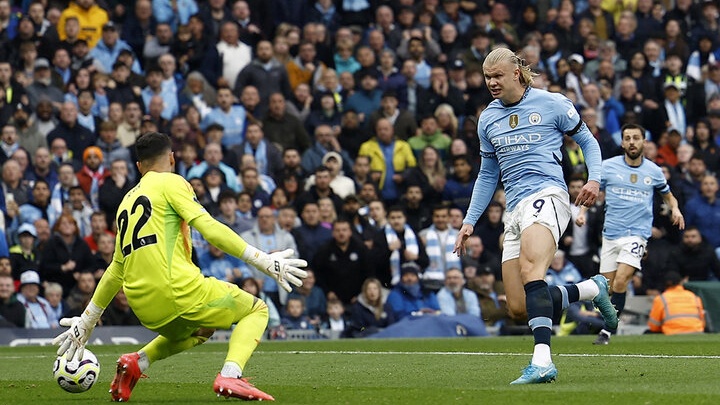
<point>151,145</point>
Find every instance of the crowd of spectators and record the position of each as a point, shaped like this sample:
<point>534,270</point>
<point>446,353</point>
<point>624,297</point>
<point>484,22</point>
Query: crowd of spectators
<point>343,129</point>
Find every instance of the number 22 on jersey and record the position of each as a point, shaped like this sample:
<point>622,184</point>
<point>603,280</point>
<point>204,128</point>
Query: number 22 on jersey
<point>143,207</point>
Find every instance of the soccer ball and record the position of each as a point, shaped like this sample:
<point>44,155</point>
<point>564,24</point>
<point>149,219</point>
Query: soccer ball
<point>77,376</point>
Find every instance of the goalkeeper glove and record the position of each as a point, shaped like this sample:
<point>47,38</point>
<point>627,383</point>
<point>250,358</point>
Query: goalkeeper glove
<point>277,265</point>
<point>73,340</point>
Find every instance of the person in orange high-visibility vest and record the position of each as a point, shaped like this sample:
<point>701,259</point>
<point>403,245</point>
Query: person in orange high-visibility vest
<point>676,310</point>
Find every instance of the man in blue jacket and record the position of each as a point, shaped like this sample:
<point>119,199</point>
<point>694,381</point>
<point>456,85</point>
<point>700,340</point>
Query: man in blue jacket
<point>408,298</point>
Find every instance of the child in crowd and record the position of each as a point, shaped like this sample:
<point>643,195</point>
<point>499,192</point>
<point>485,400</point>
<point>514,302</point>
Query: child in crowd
<point>336,321</point>
<point>294,317</point>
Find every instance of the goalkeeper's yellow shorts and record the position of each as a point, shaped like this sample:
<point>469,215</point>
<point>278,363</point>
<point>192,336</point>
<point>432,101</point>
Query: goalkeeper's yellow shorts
<point>223,305</point>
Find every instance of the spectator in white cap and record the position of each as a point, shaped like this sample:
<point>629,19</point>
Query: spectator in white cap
<point>38,308</point>
<point>339,183</point>
<point>24,256</point>
<point>575,78</point>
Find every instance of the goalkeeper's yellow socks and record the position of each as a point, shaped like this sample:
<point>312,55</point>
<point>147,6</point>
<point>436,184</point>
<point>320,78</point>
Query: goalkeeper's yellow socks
<point>231,369</point>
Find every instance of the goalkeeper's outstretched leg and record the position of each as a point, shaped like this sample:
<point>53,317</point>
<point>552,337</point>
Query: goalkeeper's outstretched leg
<point>243,341</point>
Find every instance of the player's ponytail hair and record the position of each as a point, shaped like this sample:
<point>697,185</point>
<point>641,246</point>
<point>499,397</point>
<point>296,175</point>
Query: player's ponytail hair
<point>500,55</point>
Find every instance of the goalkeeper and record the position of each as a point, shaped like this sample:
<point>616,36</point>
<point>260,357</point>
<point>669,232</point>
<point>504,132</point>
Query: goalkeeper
<point>166,290</point>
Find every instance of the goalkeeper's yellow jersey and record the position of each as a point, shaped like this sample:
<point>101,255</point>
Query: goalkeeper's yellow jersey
<point>153,247</point>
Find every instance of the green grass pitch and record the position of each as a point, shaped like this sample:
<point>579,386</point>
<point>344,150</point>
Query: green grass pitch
<point>648,369</point>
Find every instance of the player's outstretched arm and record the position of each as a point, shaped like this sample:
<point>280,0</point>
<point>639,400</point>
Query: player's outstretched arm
<point>279,265</point>
<point>73,340</point>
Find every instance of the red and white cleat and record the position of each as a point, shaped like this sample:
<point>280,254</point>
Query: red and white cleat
<point>239,388</point>
<point>127,375</point>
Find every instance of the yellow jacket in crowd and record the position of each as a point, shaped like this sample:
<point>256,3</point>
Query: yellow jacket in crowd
<point>91,22</point>
<point>403,157</point>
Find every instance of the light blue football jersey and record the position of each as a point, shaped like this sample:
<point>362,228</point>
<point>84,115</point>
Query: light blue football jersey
<point>629,196</point>
<point>526,139</point>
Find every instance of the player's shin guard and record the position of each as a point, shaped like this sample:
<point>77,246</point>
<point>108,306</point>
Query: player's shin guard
<point>540,310</point>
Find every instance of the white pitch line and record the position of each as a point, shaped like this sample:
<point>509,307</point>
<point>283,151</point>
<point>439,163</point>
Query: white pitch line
<point>491,354</point>
<point>397,353</point>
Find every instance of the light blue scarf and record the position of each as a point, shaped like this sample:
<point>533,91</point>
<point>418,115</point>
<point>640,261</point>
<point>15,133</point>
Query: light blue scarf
<point>260,155</point>
<point>411,244</point>
<point>441,257</point>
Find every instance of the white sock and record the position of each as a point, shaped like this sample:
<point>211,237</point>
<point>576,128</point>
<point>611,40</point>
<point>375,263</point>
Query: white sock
<point>541,355</point>
<point>231,369</point>
<point>143,361</point>
<point>587,289</point>
<point>606,332</point>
